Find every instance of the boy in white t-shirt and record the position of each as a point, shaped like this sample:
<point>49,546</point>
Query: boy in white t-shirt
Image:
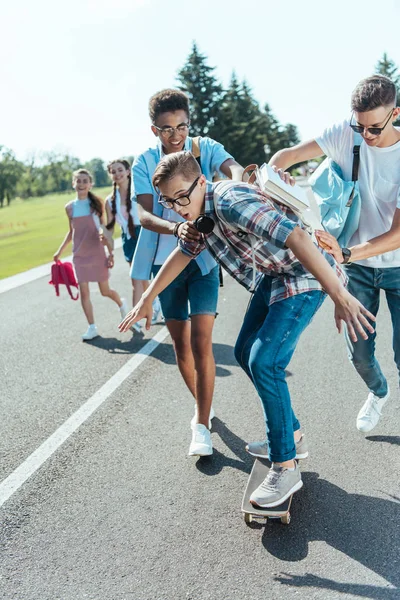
<point>373,257</point>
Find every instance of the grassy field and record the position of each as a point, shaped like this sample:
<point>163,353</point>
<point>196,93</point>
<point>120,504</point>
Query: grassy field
<point>32,230</point>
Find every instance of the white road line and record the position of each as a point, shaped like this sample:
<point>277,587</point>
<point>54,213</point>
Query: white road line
<point>10,283</point>
<point>14,481</point>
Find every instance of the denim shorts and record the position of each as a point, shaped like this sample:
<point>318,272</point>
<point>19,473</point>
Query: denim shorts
<point>190,288</point>
<point>129,244</point>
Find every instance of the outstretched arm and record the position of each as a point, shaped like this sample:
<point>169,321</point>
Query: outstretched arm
<point>174,265</point>
<point>347,308</point>
<point>283,159</point>
<point>387,242</point>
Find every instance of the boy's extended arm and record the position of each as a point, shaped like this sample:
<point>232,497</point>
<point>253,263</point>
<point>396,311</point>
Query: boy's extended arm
<point>347,308</point>
<point>284,159</point>
<point>387,242</point>
<point>174,265</point>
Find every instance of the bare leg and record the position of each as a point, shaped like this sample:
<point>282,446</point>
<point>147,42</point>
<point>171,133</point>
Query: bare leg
<point>180,334</point>
<point>204,364</point>
<point>108,292</point>
<point>139,286</point>
<point>86,302</point>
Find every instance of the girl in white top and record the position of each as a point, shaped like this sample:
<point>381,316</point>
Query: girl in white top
<point>120,209</point>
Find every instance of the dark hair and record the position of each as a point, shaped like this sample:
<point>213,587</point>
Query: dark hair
<point>96,203</point>
<point>373,92</point>
<point>111,224</point>
<point>168,100</point>
<point>177,163</point>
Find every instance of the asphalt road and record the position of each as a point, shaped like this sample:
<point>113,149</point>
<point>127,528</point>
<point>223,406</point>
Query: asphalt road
<point>120,511</point>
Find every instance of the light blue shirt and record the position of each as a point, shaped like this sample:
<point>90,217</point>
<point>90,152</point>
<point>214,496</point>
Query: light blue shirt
<point>212,156</point>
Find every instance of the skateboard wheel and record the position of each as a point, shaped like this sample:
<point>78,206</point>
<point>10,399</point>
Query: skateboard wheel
<point>285,519</point>
<point>247,518</point>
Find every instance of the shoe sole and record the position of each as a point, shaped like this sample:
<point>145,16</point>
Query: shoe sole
<point>200,453</point>
<point>265,456</point>
<point>294,489</point>
<point>91,338</point>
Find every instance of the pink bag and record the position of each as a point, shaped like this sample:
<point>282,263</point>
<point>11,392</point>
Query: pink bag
<point>62,273</point>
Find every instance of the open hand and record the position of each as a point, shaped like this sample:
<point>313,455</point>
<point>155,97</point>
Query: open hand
<point>354,314</point>
<point>330,244</point>
<point>142,310</point>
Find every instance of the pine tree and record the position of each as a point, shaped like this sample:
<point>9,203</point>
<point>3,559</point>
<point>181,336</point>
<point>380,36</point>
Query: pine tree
<point>386,66</point>
<point>197,80</point>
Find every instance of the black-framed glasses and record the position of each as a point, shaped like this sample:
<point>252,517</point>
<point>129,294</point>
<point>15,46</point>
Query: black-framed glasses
<point>183,200</point>
<point>169,131</point>
<point>371,130</point>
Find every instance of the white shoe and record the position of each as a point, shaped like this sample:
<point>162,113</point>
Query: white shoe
<point>91,333</point>
<point>157,314</point>
<point>201,444</point>
<point>369,414</point>
<point>193,422</point>
<point>138,326</point>
<point>123,309</point>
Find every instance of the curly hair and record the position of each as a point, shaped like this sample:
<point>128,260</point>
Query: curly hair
<point>111,224</point>
<point>373,92</point>
<point>96,203</point>
<point>168,100</point>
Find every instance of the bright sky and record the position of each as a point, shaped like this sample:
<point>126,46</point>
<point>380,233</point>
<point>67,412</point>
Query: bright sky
<point>77,75</point>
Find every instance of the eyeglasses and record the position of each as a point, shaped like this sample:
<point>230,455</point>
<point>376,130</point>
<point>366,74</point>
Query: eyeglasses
<point>169,131</point>
<point>371,130</point>
<point>183,200</point>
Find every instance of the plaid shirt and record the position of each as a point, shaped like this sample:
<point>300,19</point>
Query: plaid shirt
<point>253,214</point>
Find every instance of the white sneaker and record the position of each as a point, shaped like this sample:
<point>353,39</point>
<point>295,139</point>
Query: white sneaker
<point>368,416</point>
<point>138,326</point>
<point>201,444</point>
<point>123,309</point>
<point>157,314</point>
<point>91,333</point>
<point>193,422</point>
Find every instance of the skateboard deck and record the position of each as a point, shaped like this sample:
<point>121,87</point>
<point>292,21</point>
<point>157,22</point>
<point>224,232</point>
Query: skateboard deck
<point>252,513</point>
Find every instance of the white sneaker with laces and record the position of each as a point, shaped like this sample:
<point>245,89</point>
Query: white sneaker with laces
<point>90,333</point>
<point>370,413</point>
<point>201,444</point>
<point>193,422</point>
<point>123,309</point>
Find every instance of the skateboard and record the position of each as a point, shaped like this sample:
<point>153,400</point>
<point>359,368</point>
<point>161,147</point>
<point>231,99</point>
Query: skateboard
<point>253,514</point>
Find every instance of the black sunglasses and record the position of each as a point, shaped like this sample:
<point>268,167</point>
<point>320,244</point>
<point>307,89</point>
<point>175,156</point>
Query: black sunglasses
<point>183,200</point>
<point>371,130</point>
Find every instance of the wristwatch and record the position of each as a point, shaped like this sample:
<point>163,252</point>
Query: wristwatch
<point>346,253</point>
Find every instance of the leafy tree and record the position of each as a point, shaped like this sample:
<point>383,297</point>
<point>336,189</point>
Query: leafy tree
<point>197,80</point>
<point>98,170</point>
<point>10,171</point>
<point>386,66</point>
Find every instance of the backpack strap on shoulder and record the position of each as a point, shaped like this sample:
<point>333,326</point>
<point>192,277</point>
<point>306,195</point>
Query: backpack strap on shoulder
<point>196,150</point>
<point>356,166</point>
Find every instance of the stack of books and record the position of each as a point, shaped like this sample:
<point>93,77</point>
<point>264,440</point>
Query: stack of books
<point>298,199</point>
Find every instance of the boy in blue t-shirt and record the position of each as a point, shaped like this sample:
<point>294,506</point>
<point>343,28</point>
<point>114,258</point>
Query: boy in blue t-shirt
<point>189,304</point>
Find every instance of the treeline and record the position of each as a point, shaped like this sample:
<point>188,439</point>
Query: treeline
<point>232,116</point>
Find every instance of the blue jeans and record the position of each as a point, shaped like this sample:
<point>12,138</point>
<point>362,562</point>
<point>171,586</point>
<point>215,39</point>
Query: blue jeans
<point>190,288</point>
<point>365,283</point>
<point>264,348</point>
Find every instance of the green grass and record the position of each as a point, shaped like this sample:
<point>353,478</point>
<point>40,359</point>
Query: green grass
<point>32,230</point>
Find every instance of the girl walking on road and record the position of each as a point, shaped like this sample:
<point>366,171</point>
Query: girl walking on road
<point>86,215</point>
<point>120,209</point>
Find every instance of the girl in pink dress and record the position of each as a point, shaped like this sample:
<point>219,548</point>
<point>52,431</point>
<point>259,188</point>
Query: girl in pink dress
<point>85,215</point>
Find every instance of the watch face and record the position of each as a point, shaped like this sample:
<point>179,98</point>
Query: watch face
<point>346,254</point>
